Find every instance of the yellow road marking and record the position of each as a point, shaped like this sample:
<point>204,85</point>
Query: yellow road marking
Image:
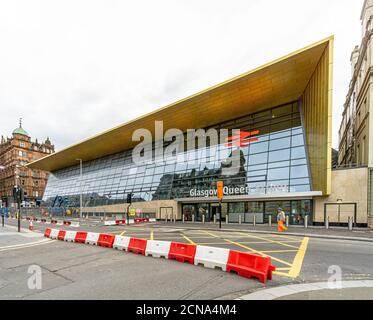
<point>186,238</point>
<point>256,251</point>
<point>279,251</point>
<point>298,260</point>
<point>152,235</point>
<point>283,274</point>
<point>123,233</point>
<point>283,269</point>
<point>251,249</point>
<point>273,241</point>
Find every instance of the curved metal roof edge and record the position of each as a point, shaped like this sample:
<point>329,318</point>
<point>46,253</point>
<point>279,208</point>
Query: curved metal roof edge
<point>327,40</point>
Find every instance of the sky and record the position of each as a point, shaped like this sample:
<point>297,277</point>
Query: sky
<point>74,68</point>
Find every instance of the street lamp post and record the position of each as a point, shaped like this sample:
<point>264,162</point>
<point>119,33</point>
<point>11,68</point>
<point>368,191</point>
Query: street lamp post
<point>81,188</point>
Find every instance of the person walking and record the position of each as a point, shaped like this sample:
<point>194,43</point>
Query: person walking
<point>281,218</point>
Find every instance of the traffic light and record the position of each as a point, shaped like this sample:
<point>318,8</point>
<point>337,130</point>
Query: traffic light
<point>129,198</point>
<point>22,195</point>
<point>15,193</point>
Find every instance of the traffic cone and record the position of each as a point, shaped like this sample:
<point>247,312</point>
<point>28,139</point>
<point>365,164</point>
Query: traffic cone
<point>31,226</point>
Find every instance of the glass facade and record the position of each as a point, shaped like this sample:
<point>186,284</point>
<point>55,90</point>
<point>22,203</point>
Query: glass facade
<point>295,209</point>
<point>275,163</point>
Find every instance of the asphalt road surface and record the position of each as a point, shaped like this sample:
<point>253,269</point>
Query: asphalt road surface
<point>76,271</point>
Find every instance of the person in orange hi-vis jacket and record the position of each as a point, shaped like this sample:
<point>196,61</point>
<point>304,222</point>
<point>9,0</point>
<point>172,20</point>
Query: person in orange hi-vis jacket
<point>281,218</point>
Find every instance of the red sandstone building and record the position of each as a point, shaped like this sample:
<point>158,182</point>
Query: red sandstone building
<point>15,153</point>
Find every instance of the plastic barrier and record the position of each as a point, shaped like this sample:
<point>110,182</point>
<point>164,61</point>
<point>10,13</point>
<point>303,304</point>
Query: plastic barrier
<point>43,220</point>
<point>106,240</point>
<point>80,237</point>
<point>54,221</point>
<point>59,223</point>
<point>70,236</point>
<point>212,257</point>
<point>158,249</point>
<point>120,222</point>
<point>47,232</point>
<point>109,223</point>
<point>121,243</point>
<point>92,238</point>
<point>54,234</point>
<point>67,223</point>
<point>271,269</point>
<point>74,224</point>
<point>61,235</point>
<point>249,265</point>
<point>182,252</point>
<point>152,220</point>
<point>137,246</point>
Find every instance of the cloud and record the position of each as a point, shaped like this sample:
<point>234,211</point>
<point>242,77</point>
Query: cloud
<point>74,68</point>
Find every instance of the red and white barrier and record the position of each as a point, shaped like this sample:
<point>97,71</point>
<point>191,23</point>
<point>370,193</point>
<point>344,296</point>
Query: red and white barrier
<point>131,221</point>
<point>244,264</point>
<point>74,224</point>
<point>211,257</point>
<point>121,243</point>
<point>92,238</point>
<point>158,249</point>
<point>114,222</point>
<point>54,233</point>
<point>70,236</point>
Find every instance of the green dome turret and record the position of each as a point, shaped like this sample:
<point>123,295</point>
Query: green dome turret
<point>20,130</point>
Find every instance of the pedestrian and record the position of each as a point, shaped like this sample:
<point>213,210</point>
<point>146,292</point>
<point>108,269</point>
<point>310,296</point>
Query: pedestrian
<point>281,218</point>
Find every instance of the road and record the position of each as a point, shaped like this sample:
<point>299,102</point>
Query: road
<point>75,271</point>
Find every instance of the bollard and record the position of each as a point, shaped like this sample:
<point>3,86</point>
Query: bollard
<point>193,218</point>
<point>239,219</point>
<point>203,219</point>
<point>166,218</point>
<point>287,221</point>
<point>254,220</point>
<point>350,223</point>
<point>306,222</point>
<point>214,218</point>
<point>270,220</point>
<point>327,223</point>
<point>227,219</point>
<point>183,218</point>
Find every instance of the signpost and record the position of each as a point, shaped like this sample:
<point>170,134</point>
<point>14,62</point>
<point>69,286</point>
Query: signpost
<point>220,193</point>
<point>129,201</point>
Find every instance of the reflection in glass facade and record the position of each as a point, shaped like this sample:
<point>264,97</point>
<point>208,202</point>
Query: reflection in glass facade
<point>276,163</point>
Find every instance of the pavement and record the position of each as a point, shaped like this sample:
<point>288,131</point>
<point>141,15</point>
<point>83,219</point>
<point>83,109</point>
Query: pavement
<point>345,290</point>
<point>74,271</point>
<point>11,239</point>
<point>362,234</point>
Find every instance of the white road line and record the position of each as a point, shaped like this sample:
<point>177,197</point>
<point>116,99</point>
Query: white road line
<point>26,245</point>
<point>275,293</point>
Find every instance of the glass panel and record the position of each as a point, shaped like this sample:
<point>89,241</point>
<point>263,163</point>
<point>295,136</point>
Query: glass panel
<point>299,172</point>
<point>280,155</point>
<point>297,153</point>
<point>277,174</point>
